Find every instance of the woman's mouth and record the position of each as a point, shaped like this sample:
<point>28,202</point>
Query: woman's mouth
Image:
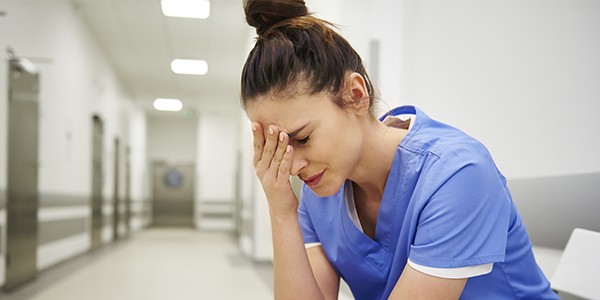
<point>314,180</point>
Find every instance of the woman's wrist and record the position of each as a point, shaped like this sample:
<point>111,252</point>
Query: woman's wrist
<point>284,215</point>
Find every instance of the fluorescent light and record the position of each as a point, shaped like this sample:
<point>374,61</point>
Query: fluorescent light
<point>164,104</point>
<point>189,66</point>
<point>196,9</point>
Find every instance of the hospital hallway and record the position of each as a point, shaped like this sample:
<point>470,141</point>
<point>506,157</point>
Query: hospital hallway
<point>127,154</point>
<point>158,263</point>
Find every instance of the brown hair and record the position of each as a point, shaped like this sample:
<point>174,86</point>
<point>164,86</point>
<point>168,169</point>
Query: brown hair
<point>292,47</point>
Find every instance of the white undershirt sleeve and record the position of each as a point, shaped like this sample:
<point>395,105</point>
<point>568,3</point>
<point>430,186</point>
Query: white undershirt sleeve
<point>310,245</point>
<point>454,273</point>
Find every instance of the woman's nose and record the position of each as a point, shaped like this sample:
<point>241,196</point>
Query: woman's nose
<point>298,163</point>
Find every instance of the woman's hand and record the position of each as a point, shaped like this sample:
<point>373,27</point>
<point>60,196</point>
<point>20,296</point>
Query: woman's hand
<point>272,163</point>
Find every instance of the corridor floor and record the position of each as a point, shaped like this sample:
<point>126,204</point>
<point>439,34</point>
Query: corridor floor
<point>156,264</point>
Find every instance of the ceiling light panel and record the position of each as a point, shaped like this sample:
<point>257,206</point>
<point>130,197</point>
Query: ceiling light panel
<point>189,66</point>
<point>196,9</point>
<point>165,104</point>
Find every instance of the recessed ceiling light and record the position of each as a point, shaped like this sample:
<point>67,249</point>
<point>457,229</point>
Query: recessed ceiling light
<point>189,66</point>
<point>164,104</point>
<point>196,9</point>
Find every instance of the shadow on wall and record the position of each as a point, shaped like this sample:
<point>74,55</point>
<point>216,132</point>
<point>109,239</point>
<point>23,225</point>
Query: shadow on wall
<point>552,207</point>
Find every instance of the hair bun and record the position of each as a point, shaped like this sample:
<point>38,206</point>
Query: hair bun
<point>262,14</point>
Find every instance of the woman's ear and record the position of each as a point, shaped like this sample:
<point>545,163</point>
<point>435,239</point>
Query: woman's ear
<point>359,94</point>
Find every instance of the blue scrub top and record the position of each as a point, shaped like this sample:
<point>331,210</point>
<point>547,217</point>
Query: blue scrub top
<point>445,205</point>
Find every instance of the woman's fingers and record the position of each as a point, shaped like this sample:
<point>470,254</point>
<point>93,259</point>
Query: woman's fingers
<point>259,142</point>
<point>269,148</point>
<point>272,162</point>
<point>265,142</point>
<point>281,144</point>
<point>286,164</point>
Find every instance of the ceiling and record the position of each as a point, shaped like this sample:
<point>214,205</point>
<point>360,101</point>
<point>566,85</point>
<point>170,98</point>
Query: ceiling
<point>141,42</point>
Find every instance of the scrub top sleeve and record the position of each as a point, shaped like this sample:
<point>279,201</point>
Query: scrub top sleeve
<point>465,221</point>
<point>306,226</point>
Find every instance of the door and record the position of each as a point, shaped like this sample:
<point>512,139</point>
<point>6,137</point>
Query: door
<point>97,199</point>
<point>127,216</point>
<point>116,219</point>
<point>22,190</point>
<point>173,195</point>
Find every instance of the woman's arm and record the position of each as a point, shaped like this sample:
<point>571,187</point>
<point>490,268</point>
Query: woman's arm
<point>294,278</point>
<point>420,286</point>
<point>327,279</point>
<point>300,273</point>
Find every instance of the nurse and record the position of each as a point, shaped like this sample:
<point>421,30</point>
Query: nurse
<point>402,207</point>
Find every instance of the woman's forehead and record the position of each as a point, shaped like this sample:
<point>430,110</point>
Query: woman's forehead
<point>279,116</point>
<point>285,112</point>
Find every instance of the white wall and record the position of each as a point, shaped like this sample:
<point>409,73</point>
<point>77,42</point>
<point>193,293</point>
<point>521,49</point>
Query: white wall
<point>217,151</point>
<point>248,183</point>
<point>139,177</point>
<point>522,76</point>
<point>172,138</point>
<point>387,29</point>
<point>77,81</point>
<point>217,159</point>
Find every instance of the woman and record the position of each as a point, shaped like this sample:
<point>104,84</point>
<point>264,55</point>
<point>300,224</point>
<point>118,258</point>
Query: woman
<point>401,209</point>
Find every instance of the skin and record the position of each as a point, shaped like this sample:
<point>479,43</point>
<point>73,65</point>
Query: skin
<point>307,135</point>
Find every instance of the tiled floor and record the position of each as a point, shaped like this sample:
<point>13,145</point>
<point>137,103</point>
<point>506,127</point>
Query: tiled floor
<point>156,264</point>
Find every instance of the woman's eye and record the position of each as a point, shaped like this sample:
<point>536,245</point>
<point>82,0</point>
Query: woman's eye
<point>303,141</point>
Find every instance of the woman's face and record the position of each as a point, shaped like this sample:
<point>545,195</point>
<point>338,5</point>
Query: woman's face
<point>326,138</point>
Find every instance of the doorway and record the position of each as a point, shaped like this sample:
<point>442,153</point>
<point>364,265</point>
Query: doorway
<point>173,195</point>
<point>127,216</point>
<point>97,181</point>
<point>22,184</point>
<point>116,218</point>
